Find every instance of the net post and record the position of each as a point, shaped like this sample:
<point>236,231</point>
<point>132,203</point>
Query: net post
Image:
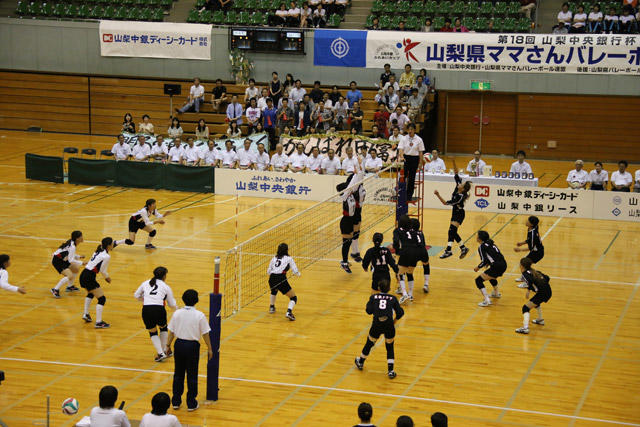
<point>215,322</point>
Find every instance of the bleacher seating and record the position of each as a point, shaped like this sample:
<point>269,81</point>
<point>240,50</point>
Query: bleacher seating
<point>130,10</point>
<point>474,15</point>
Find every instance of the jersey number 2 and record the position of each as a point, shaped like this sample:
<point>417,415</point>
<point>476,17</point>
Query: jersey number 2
<point>154,289</point>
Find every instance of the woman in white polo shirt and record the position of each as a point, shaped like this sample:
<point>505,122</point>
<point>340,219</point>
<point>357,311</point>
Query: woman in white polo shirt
<point>621,180</point>
<point>598,177</point>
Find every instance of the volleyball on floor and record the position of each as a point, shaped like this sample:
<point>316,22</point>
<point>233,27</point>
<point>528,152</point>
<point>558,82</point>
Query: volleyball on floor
<point>428,157</point>
<point>70,406</point>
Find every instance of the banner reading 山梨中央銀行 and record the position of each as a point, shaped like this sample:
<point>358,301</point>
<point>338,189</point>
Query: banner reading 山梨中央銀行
<point>155,40</point>
<point>527,53</point>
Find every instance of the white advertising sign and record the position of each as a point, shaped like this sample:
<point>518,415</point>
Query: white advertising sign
<point>616,205</point>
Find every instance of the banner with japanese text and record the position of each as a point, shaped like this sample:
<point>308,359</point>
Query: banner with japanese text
<point>527,53</point>
<point>616,205</point>
<point>155,40</point>
<point>385,149</point>
<point>256,138</point>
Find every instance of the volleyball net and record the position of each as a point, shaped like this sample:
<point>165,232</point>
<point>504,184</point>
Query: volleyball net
<point>310,234</point>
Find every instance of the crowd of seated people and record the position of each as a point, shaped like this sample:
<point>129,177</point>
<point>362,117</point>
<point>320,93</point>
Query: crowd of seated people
<point>600,180</point>
<point>365,415</point>
<point>598,21</point>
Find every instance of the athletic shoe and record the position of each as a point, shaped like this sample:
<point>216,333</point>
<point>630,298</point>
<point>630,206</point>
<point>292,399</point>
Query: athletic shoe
<point>72,288</point>
<point>411,298</point>
<point>359,363</point>
<point>87,318</point>
<point>102,325</point>
<point>193,409</point>
<point>498,295</point>
<point>55,293</point>
<point>391,374</point>
<point>399,290</point>
<point>176,407</point>
<point>160,357</point>
<point>149,246</point>
<point>522,330</point>
<point>523,285</point>
<point>403,299</point>
<point>520,279</point>
<point>168,353</point>
<point>538,321</point>
<point>356,257</point>
<point>290,316</point>
<point>345,267</point>
<point>446,254</point>
<point>484,303</point>
<point>425,289</point>
<point>272,309</point>
<point>463,252</point>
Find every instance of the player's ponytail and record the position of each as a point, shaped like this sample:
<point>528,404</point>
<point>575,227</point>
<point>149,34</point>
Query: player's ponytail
<point>106,242</point>
<point>159,273</point>
<point>527,264</point>
<point>465,190</point>
<point>341,187</point>
<point>4,258</point>
<point>283,249</point>
<point>484,237</point>
<point>377,239</point>
<point>75,235</point>
<point>534,220</point>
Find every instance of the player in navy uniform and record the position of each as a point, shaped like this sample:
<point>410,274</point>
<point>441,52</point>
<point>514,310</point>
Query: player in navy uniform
<point>424,254</point>
<point>458,197</point>
<point>97,264</point>
<point>359,194</point>
<point>537,282</point>
<point>489,255</point>
<point>67,263</point>
<point>140,221</point>
<point>382,306</point>
<point>277,271</point>
<point>407,243</point>
<point>534,245</point>
<point>380,259</point>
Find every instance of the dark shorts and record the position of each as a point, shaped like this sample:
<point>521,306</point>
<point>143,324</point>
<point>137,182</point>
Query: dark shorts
<point>88,280</point>
<point>346,225</point>
<point>59,264</point>
<point>154,315</point>
<point>457,216</point>
<point>409,257</point>
<point>357,216</point>
<point>535,256</point>
<point>279,282</point>
<point>377,277</point>
<point>134,225</point>
<point>424,255</point>
<point>496,270</point>
<point>382,328</point>
<point>541,297</point>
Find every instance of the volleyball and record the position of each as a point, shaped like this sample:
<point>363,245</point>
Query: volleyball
<point>428,157</point>
<point>70,406</point>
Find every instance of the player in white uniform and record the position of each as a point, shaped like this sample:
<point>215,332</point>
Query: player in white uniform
<point>98,263</point>
<point>140,221</point>
<point>262,158</point>
<point>277,271</point>
<point>154,293</point>
<point>5,262</point>
<point>67,263</point>
<point>314,161</point>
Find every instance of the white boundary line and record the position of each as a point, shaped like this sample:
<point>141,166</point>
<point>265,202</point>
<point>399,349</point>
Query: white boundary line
<point>551,228</point>
<point>340,390</point>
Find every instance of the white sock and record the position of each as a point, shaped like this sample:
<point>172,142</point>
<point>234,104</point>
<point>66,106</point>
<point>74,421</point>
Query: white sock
<point>61,283</point>
<point>87,304</point>
<point>426,279</point>
<point>449,244</point>
<point>525,322</point>
<point>272,299</point>
<point>157,344</point>
<point>539,312</point>
<point>164,336</point>
<point>120,242</point>
<point>411,287</point>
<point>354,246</point>
<point>402,286</point>
<point>292,304</point>
<point>485,294</point>
<point>99,308</point>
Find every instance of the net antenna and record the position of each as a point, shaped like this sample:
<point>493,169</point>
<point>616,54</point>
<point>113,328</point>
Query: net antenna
<point>311,234</point>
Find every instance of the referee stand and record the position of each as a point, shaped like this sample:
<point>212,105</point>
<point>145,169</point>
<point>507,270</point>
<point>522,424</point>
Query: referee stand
<point>415,208</point>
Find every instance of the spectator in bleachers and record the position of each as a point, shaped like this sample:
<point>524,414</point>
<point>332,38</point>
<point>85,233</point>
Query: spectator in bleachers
<point>428,26</point>
<point>375,132</point>
<point>425,77</point>
<point>356,115</point>
<point>195,98</point>
<point>262,158</point>
<point>392,83</point>
<point>279,160</point>
<point>636,187</point>
<point>331,164</point>
<point>598,177</point>
<point>414,104</point>
<point>296,94</point>
<point>375,24</point>
<point>141,151</point>
<point>252,91</point>
<point>401,118</point>
<point>349,163</point>
<point>259,128</point>
<point>594,26</point>
<point>176,152</point>
<point>458,27</point>
<point>305,15</point>
<point>374,163</point>
<point>190,153</point>
<point>120,150</point>
<point>322,118</point>
<point>209,157</point>
<point>219,95</point>
<point>234,111</point>
<point>438,419</point>
<point>422,87</point>
<point>384,77</point>
<point>628,24</point>
<point>314,161</point>
<point>520,166</point>
<point>302,119</point>
<point>329,6</point>
<point>579,23</point>
<point>578,178</point>
<point>269,120</point>
<point>253,116</point>
<point>395,135</point>
<point>308,102</point>
<point>404,421</point>
<point>327,102</point>
<point>526,6</point>
<point>407,80</point>
<point>354,94</point>
<point>106,414</point>
<point>611,22</point>
<point>391,99</point>
<point>146,127</point>
<point>289,81</point>
<point>341,6</point>
<point>365,412</point>
<point>621,180</point>
<point>316,94</point>
<point>565,17</point>
<point>175,129</point>
<point>436,165</point>
<point>335,94</point>
<point>401,26</point>
<point>341,113</point>
<point>447,26</point>
<point>284,115</point>
<point>128,126</point>
<point>275,88</point>
<point>293,15</point>
<point>314,4</point>
<point>158,416</point>
<point>228,158</point>
<point>280,17</point>
<point>475,167</point>
<point>246,156</point>
<point>262,101</point>
<point>159,150</point>
<point>381,119</point>
<point>202,131</point>
<point>233,131</point>
<point>298,160</point>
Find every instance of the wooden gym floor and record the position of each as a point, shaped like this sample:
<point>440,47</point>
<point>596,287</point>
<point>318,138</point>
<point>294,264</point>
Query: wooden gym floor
<point>581,369</point>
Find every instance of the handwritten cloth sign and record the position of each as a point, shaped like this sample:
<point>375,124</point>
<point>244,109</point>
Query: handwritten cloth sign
<point>385,149</point>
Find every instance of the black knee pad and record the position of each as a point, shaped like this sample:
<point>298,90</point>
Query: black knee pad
<point>153,233</point>
<point>102,300</point>
<point>90,296</point>
<point>525,309</point>
<point>409,277</point>
<point>479,282</point>
<point>294,299</point>
<point>274,291</point>
<point>493,282</point>
<point>153,334</point>
<point>346,240</point>
<point>453,230</point>
<point>164,329</point>
<point>128,241</point>
<point>427,268</point>
<point>356,235</point>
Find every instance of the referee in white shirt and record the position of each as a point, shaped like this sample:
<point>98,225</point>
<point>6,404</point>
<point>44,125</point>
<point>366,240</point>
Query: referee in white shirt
<point>187,325</point>
<point>411,150</point>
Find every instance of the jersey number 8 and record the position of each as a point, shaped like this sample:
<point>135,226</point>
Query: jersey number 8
<point>383,304</point>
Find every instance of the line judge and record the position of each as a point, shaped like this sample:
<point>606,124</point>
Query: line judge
<point>187,325</point>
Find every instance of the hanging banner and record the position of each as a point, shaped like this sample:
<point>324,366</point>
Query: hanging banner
<point>155,40</point>
<point>256,138</point>
<point>385,149</point>
<point>340,48</point>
